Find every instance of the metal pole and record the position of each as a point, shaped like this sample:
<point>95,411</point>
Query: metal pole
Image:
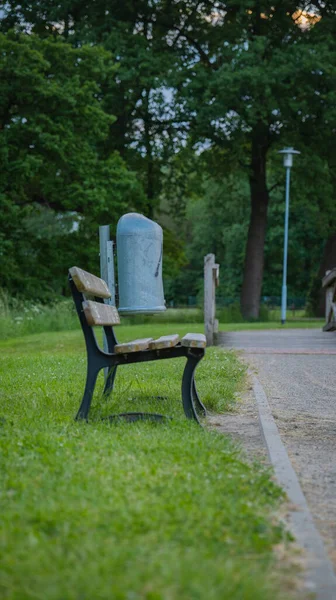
<point>110,273</point>
<point>104,237</point>
<point>284,280</point>
<point>209,261</point>
<point>106,261</point>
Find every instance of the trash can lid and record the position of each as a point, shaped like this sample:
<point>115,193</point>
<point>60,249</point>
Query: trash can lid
<point>137,224</point>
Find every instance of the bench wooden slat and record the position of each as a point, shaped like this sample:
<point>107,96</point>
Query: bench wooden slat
<point>135,346</point>
<point>100,314</point>
<point>329,278</point>
<point>89,284</point>
<point>194,340</point>
<point>165,341</point>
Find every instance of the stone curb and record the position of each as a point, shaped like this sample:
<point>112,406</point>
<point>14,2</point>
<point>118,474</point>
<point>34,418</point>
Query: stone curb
<point>320,576</point>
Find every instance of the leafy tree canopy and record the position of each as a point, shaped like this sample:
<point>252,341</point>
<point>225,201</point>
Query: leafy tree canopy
<point>52,125</point>
<point>234,81</point>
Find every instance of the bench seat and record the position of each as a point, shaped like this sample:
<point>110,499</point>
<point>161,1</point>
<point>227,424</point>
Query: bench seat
<point>190,340</point>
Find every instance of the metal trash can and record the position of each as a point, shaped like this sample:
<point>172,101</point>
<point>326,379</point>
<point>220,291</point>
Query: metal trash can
<point>139,252</point>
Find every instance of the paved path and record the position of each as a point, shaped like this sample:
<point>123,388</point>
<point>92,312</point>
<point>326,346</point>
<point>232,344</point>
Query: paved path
<point>283,341</point>
<point>297,370</point>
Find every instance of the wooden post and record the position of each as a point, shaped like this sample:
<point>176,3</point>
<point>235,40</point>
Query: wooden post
<point>211,281</point>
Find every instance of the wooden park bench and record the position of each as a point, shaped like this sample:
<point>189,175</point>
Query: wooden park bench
<point>329,284</point>
<point>89,292</point>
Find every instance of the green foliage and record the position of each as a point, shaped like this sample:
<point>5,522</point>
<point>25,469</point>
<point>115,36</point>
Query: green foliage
<point>230,314</point>
<point>19,318</point>
<point>217,221</point>
<point>173,260</point>
<point>52,124</point>
<point>248,86</point>
<point>271,82</point>
<point>53,176</point>
<point>171,316</point>
<point>311,222</point>
<point>153,83</point>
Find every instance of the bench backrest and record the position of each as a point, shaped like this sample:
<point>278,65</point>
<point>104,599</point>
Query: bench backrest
<point>96,313</point>
<point>89,284</point>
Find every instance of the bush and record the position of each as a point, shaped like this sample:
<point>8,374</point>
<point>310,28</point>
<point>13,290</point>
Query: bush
<point>171,315</point>
<point>22,317</point>
<point>230,314</point>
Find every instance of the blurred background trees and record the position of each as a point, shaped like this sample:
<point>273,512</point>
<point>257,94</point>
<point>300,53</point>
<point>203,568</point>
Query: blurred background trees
<point>177,110</point>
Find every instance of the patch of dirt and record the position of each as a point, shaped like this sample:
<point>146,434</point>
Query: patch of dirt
<point>242,425</point>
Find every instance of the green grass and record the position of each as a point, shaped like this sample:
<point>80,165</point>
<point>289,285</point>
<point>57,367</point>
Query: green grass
<point>127,511</point>
<point>18,318</point>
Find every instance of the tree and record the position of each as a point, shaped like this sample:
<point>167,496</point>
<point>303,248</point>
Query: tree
<point>241,77</point>
<point>218,219</point>
<point>133,94</point>
<point>51,127</point>
<point>52,124</point>
<point>248,77</point>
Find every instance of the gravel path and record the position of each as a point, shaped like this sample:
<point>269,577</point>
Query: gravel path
<point>297,369</point>
<point>280,341</point>
<point>301,393</point>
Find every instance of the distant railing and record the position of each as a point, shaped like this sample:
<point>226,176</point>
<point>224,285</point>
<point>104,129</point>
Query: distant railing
<point>271,302</point>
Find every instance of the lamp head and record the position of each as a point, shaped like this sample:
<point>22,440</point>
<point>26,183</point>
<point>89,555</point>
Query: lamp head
<point>288,156</point>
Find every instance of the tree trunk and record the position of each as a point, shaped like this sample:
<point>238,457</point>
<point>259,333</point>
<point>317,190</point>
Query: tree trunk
<point>254,256</point>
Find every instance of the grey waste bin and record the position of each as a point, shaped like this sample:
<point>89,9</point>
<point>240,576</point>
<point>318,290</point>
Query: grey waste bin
<point>139,251</point>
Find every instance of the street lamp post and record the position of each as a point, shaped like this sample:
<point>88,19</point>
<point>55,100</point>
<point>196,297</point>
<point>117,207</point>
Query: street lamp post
<point>288,163</point>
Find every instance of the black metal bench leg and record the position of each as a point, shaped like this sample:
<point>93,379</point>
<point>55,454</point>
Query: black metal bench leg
<point>197,401</point>
<point>109,384</point>
<point>187,387</point>
<point>84,408</point>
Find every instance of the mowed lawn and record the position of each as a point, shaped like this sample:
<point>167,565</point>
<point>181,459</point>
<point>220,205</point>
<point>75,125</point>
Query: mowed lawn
<point>127,511</point>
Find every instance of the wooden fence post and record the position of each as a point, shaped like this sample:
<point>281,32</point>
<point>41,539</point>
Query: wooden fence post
<point>211,281</point>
